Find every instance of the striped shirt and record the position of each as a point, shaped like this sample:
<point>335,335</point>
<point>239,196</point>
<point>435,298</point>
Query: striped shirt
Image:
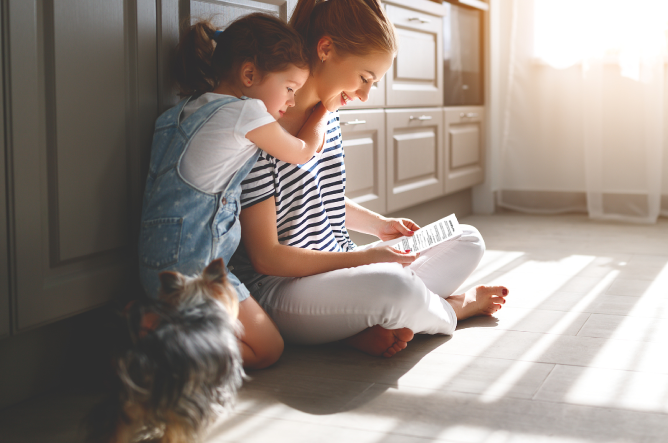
<point>310,204</point>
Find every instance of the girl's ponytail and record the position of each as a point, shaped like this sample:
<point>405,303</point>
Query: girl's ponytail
<point>204,56</point>
<point>193,70</point>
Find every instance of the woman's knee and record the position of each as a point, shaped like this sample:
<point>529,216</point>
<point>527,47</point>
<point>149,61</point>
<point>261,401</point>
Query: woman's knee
<point>472,237</point>
<point>402,290</point>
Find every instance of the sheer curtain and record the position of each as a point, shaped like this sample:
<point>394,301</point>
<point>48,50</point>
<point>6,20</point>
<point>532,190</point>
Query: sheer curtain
<point>585,112</point>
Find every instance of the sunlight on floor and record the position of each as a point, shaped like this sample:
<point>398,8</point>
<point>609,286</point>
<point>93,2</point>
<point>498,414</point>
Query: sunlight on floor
<point>500,387</point>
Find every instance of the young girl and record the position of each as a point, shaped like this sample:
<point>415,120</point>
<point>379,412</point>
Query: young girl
<point>206,145</point>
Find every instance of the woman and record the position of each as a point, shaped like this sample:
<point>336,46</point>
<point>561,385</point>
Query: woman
<point>296,256</point>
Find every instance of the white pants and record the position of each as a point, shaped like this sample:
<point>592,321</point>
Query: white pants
<point>335,305</point>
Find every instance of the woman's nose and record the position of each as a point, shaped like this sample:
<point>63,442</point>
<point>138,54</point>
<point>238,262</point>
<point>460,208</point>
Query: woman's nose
<point>363,93</point>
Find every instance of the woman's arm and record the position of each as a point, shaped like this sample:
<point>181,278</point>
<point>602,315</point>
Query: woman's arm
<point>269,257</point>
<point>368,222</point>
<point>276,141</point>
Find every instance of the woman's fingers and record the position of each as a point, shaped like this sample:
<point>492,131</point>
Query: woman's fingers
<point>410,224</point>
<point>405,257</point>
<point>401,227</point>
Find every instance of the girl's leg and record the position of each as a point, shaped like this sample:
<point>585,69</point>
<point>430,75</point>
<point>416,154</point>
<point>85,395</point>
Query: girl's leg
<point>261,344</point>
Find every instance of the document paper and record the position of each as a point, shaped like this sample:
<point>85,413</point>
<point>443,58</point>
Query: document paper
<point>428,236</point>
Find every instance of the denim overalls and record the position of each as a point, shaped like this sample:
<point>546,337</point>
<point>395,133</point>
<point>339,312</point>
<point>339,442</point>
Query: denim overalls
<point>182,227</point>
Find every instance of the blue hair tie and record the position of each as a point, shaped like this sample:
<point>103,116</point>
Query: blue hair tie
<point>217,34</point>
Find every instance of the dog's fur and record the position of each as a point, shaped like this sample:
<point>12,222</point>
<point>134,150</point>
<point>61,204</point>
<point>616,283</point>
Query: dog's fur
<point>177,363</point>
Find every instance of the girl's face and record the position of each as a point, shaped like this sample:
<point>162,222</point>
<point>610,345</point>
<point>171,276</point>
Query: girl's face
<point>344,78</point>
<point>277,89</point>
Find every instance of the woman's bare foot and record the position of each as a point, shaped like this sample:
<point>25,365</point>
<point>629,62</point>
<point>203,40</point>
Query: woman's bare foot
<point>378,341</point>
<point>481,300</point>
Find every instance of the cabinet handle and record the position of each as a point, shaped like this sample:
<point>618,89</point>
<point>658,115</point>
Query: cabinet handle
<point>354,122</point>
<point>418,19</point>
<point>421,118</point>
<point>468,115</point>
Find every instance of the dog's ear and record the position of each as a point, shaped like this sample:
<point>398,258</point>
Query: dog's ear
<point>171,282</point>
<point>215,272</point>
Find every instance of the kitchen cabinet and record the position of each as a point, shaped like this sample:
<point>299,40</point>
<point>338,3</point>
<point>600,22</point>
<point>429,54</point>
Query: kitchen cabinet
<point>364,146</point>
<point>83,102</point>
<point>414,156</point>
<point>464,141</point>
<point>416,75</point>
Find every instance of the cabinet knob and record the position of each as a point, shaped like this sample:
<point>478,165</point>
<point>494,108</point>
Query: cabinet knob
<point>465,87</point>
<point>421,118</point>
<point>468,114</point>
<point>418,19</point>
<point>354,122</point>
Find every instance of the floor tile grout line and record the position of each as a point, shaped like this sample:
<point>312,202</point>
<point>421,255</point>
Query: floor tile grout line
<point>577,334</point>
<point>533,397</point>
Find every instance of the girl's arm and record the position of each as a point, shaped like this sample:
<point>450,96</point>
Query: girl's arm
<point>276,141</point>
<point>269,257</point>
<point>368,222</point>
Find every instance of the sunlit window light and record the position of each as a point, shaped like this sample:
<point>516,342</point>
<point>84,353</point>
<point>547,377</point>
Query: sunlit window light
<point>567,32</point>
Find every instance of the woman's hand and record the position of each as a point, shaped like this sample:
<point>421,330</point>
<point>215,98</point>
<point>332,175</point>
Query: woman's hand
<point>391,228</point>
<point>387,254</point>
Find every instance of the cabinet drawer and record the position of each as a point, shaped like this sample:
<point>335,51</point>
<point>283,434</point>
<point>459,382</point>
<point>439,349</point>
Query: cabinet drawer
<point>464,143</point>
<point>364,146</point>
<point>414,156</point>
<point>416,76</point>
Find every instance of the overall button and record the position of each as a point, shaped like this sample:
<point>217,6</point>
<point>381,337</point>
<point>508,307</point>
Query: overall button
<point>223,201</point>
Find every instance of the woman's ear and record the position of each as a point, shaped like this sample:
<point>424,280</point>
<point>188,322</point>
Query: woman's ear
<point>249,74</point>
<point>325,48</point>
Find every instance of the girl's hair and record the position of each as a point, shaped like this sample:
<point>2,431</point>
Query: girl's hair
<point>203,58</point>
<point>357,27</point>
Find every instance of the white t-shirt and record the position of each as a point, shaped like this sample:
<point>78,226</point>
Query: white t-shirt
<point>220,147</point>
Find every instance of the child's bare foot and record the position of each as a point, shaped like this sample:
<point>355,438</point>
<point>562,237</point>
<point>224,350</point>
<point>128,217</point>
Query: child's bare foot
<point>481,300</point>
<point>378,341</point>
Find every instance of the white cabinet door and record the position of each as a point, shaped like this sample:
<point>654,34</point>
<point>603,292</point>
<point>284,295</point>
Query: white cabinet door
<point>464,153</point>
<point>414,156</point>
<point>84,100</point>
<point>416,76</point>
<point>364,146</point>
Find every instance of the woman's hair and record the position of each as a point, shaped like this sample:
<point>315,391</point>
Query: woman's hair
<point>356,27</point>
<point>203,57</point>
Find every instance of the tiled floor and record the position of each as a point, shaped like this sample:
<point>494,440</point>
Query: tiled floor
<point>578,354</point>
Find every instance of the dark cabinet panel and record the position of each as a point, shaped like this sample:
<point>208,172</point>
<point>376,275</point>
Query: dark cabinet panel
<point>84,99</point>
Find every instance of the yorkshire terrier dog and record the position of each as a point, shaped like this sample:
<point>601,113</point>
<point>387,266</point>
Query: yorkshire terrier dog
<point>177,364</point>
